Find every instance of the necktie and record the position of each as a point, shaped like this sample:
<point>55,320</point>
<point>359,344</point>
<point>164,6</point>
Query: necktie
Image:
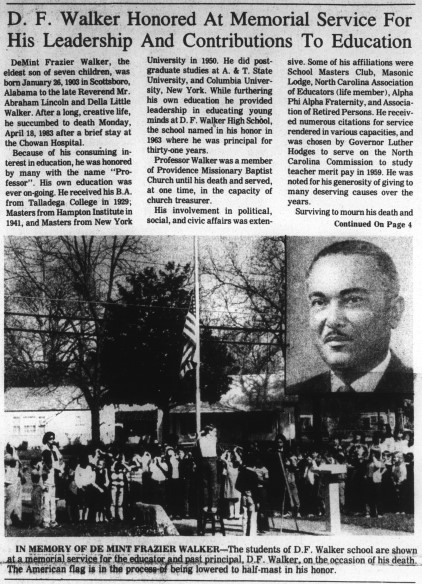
<point>346,388</point>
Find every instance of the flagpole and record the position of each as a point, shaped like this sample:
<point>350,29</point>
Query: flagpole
<point>198,354</point>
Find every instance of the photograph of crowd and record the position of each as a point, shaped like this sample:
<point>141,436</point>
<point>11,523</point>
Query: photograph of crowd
<point>142,382</point>
<point>248,484</point>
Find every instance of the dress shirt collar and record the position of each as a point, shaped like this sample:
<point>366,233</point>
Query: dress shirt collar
<point>366,383</point>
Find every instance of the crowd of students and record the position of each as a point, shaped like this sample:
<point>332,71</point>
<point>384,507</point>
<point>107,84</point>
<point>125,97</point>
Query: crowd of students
<point>101,485</point>
<point>378,475</point>
<point>252,481</point>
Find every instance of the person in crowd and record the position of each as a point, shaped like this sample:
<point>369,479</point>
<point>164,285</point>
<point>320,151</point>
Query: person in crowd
<point>145,460</point>
<point>102,499</point>
<point>135,481</point>
<point>53,467</point>
<point>409,488</point>
<point>261,493</point>
<point>94,454</point>
<point>247,484</point>
<point>85,481</point>
<point>231,461</point>
<point>118,482</point>
<point>399,472</point>
<point>408,442</point>
<point>308,486</point>
<point>387,439</point>
<point>159,472</point>
<point>207,467</point>
<point>71,491</point>
<point>357,454</point>
<point>13,478</point>
<point>400,444</point>
<point>341,459</point>
<point>282,488</point>
<point>375,469</point>
<point>388,491</point>
<point>37,491</point>
<point>376,445</point>
<point>187,469</point>
<point>173,483</point>
<point>335,446</point>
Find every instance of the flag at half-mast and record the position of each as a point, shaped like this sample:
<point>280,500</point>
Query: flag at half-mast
<point>190,349</point>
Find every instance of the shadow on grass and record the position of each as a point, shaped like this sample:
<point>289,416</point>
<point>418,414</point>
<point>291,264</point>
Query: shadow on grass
<point>66,529</point>
<point>390,521</point>
<point>124,529</point>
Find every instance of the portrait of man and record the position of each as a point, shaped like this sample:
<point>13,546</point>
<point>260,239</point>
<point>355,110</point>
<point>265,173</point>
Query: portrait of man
<point>354,304</point>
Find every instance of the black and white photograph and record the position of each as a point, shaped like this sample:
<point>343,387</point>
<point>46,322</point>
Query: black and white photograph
<point>349,371</point>
<point>164,386</point>
<point>144,386</point>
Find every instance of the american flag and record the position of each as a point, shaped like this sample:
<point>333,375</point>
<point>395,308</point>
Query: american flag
<point>189,356</point>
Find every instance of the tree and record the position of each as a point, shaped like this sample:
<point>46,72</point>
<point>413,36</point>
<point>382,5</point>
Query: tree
<point>57,293</point>
<point>144,343</point>
<point>34,343</point>
<point>247,282</point>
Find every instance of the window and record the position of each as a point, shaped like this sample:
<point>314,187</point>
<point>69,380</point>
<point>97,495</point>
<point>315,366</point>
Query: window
<point>16,425</point>
<point>369,421</point>
<point>306,422</point>
<point>29,425</point>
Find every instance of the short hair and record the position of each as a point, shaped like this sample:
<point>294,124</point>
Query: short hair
<point>48,436</point>
<point>281,437</point>
<point>207,429</point>
<point>384,262</point>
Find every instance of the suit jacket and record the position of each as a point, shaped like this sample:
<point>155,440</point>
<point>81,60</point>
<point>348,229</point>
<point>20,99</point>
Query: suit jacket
<point>397,379</point>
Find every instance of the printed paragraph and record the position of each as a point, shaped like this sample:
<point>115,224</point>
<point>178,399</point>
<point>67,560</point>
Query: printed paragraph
<point>66,122</point>
<point>209,125</point>
<point>132,560</point>
<point>350,137</point>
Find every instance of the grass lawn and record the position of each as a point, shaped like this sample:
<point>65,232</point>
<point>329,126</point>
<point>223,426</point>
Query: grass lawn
<point>81,530</point>
<point>66,529</point>
<point>390,521</point>
<point>400,523</point>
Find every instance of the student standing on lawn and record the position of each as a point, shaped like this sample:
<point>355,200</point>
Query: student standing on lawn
<point>207,466</point>
<point>13,486</point>
<point>53,466</point>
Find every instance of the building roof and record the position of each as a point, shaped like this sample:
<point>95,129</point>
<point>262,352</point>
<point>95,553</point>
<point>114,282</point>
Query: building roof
<point>206,408</point>
<point>52,398</point>
<point>247,393</point>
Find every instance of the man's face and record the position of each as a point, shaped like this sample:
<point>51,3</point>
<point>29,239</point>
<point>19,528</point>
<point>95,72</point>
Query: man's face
<point>350,315</point>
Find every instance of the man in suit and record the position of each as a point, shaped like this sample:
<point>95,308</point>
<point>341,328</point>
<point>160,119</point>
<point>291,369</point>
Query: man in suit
<point>354,304</point>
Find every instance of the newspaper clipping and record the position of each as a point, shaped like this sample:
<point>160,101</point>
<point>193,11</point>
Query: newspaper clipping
<point>209,284</point>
